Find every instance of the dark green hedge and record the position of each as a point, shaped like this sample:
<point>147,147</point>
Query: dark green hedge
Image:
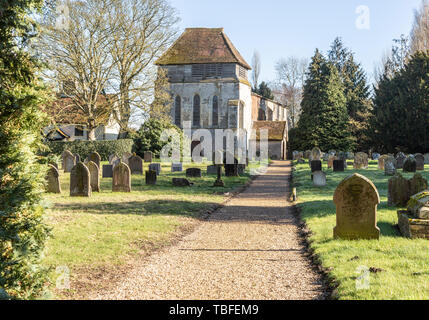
<point>85,148</point>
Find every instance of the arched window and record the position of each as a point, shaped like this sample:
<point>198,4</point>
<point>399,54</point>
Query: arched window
<point>261,115</point>
<point>215,111</point>
<point>196,118</point>
<point>178,111</point>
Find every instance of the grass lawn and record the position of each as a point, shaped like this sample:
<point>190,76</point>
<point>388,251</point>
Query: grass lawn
<point>97,236</point>
<point>405,262</point>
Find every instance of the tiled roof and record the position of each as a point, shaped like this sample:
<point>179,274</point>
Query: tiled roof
<point>202,45</point>
<point>276,129</point>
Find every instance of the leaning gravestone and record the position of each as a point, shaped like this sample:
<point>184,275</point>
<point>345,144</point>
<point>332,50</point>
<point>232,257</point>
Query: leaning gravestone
<point>398,191</point>
<point>155,167</point>
<point>69,161</point>
<point>319,179</point>
<point>356,200</point>
<point>121,178</point>
<point>96,158</point>
<point>400,159</point>
<point>53,180</point>
<point>136,164</point>
<point>212,170</point>
<point>361,161</point>
<point>193,173</point>
<point>410,165</point>
<point>316,165</point>
<point>80,181</point>
<point>176,167</point>
<point>108,171</point>
<point>94,173</point>
<point>420,161</point>
<point>151,176</point>
<point>148,156</point>
<point>390,166</point>
<point>339,165</point>
<point>381,162</point>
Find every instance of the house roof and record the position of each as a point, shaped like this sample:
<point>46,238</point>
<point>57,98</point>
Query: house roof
<point>276,129</point>
<point>202,45</point>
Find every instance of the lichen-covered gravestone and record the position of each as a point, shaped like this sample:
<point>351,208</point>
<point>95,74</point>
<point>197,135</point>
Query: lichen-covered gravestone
<point>410,165</point>
<point>414,223</point>
<point>361,161</point>
<point>418,184</point>
<point>356,200</point>
<point>53,180</point>
<point>69,161</point>
<point>420,161</point>
<point>136,164</point>
<point>94,172</point>
<point>398,191</point>
<point>121,178</point>
<point>400,159</point>
<point>390,166</point>
<point>80,181</point>
<point>148,157</point>
<point>96,158</point>
<point>319,179</point>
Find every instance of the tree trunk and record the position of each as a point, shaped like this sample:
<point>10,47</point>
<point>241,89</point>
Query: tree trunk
<point>91,134</point>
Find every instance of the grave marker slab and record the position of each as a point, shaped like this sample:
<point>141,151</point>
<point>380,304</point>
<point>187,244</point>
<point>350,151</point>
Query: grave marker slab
<point>319,179</point>
<point>148,156</point>
<point>339,165</point>
<point>151,177</point>
<point>316,165</point>
<point>53,180</point>
<point>80,181</point>
<point>177,167</point>
<point>94,173</point>
<point>121,178</point>
<point>155,167</point>
<point>136,164</point>
<point>193,173</point>
<point>69,161</point>
<point>420,162</point>
<point>107,171</point>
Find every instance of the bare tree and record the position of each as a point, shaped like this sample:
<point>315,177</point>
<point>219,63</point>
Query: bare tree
<point>256,66</point>
<point>420,31</point>
<point>290,81</point>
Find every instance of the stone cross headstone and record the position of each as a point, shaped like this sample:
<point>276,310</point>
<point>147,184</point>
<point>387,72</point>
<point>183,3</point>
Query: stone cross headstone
<point>94,173</point>
<point>155,167</point>
<point>69,161</point>
<point>107,171</point>
<point>121,178</point>
<point>80,181</point>
<point>316,165</point>
<point>356,200</point>
<point>193,173</point>
<point>176,167</point>
<point>410,165</point>
<point>148,156</point>
<point>319,179</point>
<point>136,164</point>
<point>420,161</point>
<point>151,176</point>
<point>390,166</point>
<point>53,184</point>
<point>400,159</point>
<point>361,161</point>
<point>96,158</point>
<point>339,165</point>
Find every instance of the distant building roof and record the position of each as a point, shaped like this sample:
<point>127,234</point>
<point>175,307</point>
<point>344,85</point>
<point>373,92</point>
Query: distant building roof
<point>276,129</point>
<point>202,45</point>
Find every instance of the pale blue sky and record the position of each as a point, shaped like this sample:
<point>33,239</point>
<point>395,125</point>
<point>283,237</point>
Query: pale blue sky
<point>281,28</point>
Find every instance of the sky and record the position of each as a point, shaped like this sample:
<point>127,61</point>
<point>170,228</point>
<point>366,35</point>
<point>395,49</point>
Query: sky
<point>282,28</point>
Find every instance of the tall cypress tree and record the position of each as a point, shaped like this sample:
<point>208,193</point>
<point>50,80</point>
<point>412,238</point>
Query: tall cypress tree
<point>324,118</point>
<point>356,91</point>
<point>22,230</point>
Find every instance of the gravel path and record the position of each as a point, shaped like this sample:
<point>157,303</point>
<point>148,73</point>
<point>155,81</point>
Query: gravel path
<point>248,250</point>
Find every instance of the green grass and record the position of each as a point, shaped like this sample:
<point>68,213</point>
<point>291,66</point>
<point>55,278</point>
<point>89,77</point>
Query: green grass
<point>405,262</point>
<point>108,228</point>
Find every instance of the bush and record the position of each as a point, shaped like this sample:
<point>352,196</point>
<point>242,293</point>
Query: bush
<point>85,148</point>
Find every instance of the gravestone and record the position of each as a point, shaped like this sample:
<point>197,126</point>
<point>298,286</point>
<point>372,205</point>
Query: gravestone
<point>418,184</point>
<point>426,158</point>
<point>151,176</point>
<point>376,156</point>
<point>155,167</point>
<point>113,158</point>
<point>414,222</point>
<point>126,158</point>
<point>361,161</point>
<point>410,165</point>
<point>390,166</point>
<point>121,178</point>
<point>350,155</point>
<point>107,171</point>
<point>356,199</point>
<point>398,191</point>
<point>307,154</point>
<point>77,158</point>
<point>136,164</point>
<point>180,182</point>
<point>381,162</point>
<point>400,159</point>
<point>319,179</point>
<point>212,170</point>
<point>148,156</point>
<point>94,173</point>
<point>295,155</point>
<point>96,158</point>
<point>331,160</point>
<point>241,169</point>
<point>420,162</point>
<point>65,152</point>
<point>193,173</point>
<point>316,165</point>
<point>176,167</point>
<point>231,170</point>
<point>80,181</point>
<point>53,180</point>
<point>69,161</point>
<point>339,165</point>
<point>316,154</point>
<point>219,182</point>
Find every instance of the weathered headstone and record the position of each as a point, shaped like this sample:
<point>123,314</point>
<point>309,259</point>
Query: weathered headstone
<point>339,165</point>
<point>155,167</point>
<point>193,173</point>
<point>180,182</point>
<point>212,170</point>
<point>361,161</point>
<point>94,173</point>
<point>390,166</point>
<point>316,165</point>
<point>219,182</point>
<point>80,181</point>
<point>126,157</point>
<point>96,158</point>
<point>410,165</point>
<point>316,154</point>
<point>53,180</point>
<point>148,156</point>
<point>151,177</point>
<point>69,161</point>
<point>177,167</point>
<point>420,161</point>
<point>121,178</point>
<point>307,154</point>
<point>356,200</point>
<point>414,222</point>
<point>136,164</point>
<point>426,158</point>
<point>381,162</point>
<point>113,158</point>
<point>398,191</point>
<point>400,159</point>
<point>77,158</point>
<point>418,184</point>
<point>418,205</point>
<point>319,179</point>
<point>107,171</point>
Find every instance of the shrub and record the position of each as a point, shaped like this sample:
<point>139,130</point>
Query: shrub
<point>85,148</point>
